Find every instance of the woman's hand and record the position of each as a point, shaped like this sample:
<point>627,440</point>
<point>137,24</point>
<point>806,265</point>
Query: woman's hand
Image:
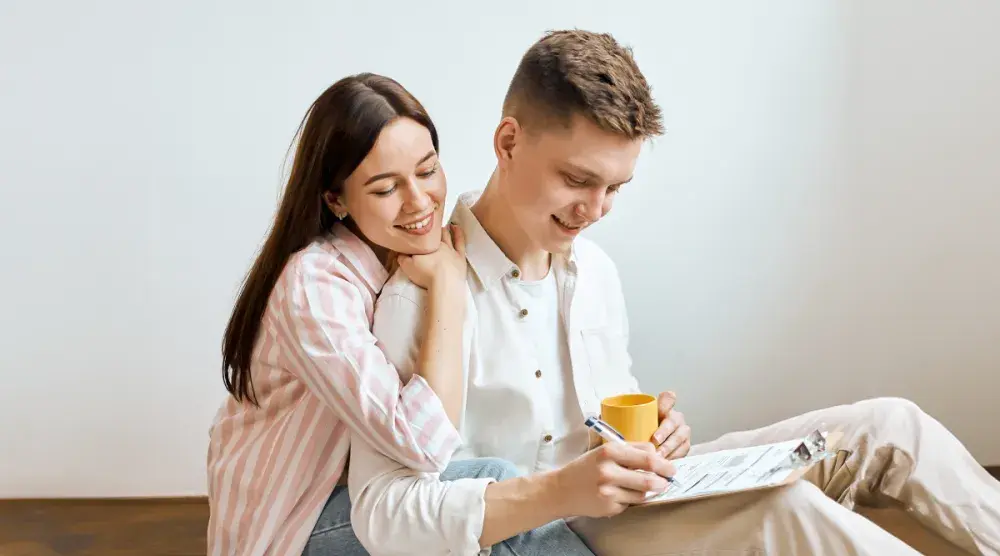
<point>446,265</point>
<point>608,479</point>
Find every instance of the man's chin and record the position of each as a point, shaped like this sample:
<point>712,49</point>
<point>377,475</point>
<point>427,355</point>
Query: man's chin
<point>562,246</point>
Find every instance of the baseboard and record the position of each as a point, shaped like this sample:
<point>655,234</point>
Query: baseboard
<point>111,500</point>
<point>993,470</point>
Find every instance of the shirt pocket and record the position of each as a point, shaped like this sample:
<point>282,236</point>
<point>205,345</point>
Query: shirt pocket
<point>609,361</point>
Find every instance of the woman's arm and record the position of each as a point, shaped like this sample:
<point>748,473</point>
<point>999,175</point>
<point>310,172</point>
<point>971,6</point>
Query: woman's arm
<point>440,360</point>
<point>318,326</point>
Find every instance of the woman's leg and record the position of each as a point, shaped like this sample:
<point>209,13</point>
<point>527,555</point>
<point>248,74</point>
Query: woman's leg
<point>333,535</point>
<point>552,539</point>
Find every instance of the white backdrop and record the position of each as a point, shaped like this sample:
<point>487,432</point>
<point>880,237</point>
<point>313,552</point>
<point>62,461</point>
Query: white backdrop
<point>820,224</point>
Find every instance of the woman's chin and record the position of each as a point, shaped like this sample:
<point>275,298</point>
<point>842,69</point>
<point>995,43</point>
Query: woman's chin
<point>422,245</point>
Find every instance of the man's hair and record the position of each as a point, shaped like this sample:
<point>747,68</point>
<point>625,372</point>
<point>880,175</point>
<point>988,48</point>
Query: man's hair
<point>585,73</point>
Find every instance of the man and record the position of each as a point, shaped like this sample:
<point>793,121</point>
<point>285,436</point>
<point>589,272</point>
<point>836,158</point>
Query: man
<point>546,339</point>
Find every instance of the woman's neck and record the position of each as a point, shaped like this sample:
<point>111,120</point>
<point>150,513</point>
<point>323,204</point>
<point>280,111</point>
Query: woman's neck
<point>383,254</point>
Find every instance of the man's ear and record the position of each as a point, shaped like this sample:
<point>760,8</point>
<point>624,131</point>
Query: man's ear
<point>507,135</point>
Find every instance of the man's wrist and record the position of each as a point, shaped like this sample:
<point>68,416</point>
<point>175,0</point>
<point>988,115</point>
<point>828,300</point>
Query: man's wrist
<point>520,504</point>
<point>551,492</point>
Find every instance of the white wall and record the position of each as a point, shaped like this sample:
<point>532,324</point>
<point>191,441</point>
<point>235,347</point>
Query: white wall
<point>820,223</point>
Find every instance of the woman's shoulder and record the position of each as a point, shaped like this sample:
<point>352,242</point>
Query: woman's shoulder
<point>319,262</point>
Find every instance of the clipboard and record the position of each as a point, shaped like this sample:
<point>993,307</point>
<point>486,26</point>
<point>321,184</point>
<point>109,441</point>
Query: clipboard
<point>748,469</point>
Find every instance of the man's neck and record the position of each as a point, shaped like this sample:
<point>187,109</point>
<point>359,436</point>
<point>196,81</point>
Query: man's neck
<point>497,218</point>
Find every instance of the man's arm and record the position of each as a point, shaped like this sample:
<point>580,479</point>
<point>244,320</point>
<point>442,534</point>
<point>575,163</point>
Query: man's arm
<point>673,436</point>
<point>395,509</point>
<point>618,307</point>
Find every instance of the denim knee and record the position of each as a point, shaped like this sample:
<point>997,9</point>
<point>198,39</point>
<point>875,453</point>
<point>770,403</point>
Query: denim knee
<point>497,468</point>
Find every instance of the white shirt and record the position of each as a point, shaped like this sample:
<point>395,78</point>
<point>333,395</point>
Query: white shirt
<point>543,332</point>
<point>508,410</point>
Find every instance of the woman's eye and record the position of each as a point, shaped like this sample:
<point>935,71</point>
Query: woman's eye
<point>385,192</point>
<point>576,182</point>
<point>428,173</point>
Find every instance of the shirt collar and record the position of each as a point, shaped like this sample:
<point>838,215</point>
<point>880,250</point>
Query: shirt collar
<point>484,255</point>
<point>360,256</point>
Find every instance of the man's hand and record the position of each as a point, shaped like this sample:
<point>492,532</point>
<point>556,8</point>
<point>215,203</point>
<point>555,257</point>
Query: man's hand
<point>606,480</point>
<point>673,437</point>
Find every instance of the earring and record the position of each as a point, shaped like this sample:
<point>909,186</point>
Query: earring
<point>340,214</point>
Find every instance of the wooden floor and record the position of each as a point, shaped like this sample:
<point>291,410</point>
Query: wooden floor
<point>154,527</point>
<point>141,527</point>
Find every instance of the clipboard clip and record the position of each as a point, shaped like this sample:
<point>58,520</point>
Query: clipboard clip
<point>812,449</point>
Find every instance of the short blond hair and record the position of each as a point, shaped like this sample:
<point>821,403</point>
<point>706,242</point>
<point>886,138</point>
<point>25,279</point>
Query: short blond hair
<point>586,73</point>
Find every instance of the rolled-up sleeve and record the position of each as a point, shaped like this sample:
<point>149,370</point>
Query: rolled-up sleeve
<point>396,510</point>
<point>321,327</point>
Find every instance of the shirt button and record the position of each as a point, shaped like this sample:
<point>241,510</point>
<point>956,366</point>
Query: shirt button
<point>547,438</point>
<point>538,374</point>
<point>515,273</point>
<point>524,313</point>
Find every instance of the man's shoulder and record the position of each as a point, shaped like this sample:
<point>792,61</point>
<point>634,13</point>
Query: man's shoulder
<point>399,285</point>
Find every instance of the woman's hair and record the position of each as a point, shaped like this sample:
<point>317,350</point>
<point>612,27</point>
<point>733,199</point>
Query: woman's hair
<point>336,134</point>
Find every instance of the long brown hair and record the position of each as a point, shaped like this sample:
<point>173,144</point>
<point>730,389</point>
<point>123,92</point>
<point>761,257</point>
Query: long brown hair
<point>336,134</point>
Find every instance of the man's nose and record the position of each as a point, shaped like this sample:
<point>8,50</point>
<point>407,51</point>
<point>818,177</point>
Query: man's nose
<point>592,208</point>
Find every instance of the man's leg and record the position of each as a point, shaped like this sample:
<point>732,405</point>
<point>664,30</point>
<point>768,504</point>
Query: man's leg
<point>555,538</point>
<point>894,454</point>
<point>786,521</point>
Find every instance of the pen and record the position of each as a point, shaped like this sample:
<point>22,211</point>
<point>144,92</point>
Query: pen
<point>607,432</point>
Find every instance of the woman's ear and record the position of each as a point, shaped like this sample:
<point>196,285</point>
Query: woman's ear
<point>336,204</point>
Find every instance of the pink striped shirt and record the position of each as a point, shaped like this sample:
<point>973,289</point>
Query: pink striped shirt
<point>319,375</point>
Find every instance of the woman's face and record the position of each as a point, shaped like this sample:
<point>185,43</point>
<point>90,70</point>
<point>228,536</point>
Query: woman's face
<point>396,195</point>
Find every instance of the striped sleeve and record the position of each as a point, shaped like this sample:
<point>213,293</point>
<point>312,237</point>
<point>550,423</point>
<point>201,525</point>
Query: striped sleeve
<point>323,329</point>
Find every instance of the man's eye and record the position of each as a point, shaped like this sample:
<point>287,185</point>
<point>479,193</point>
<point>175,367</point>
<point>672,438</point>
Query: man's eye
<point>576,182</point>
<point>614,188</point>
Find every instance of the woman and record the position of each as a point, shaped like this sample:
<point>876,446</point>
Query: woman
<point>302,367</point>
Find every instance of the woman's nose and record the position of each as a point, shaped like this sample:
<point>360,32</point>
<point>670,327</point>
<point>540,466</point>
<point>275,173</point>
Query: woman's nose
<point>417,200</point>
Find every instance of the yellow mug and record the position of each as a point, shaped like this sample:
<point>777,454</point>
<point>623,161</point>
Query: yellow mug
<point>635,416</point>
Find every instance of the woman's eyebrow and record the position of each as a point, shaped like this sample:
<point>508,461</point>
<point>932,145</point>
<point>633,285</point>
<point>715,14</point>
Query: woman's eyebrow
<point>384,175</point>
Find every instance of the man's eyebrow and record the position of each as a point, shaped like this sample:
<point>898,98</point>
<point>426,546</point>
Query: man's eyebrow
<point>588,175</point>
<point>384,175</point>
<point>581,171</point>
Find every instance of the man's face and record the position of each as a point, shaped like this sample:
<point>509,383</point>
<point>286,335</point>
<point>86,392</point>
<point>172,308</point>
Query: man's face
<point>558,181</point>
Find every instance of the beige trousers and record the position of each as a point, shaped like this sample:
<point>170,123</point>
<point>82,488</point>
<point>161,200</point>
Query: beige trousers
<point>892,455</point>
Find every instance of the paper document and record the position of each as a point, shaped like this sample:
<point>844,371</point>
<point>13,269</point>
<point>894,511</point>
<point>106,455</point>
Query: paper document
<point>729,471</point>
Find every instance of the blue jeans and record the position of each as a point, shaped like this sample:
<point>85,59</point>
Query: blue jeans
<point>333,536</point>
